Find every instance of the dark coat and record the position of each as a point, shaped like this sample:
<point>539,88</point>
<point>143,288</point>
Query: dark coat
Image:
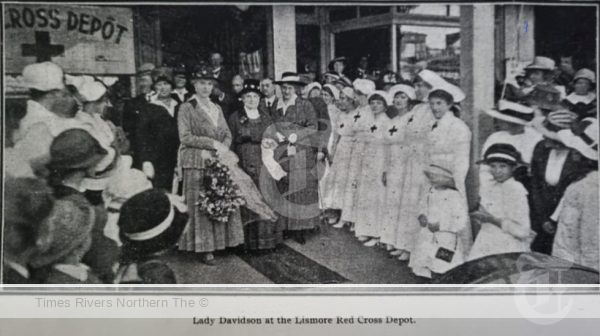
<point>272,109</point>
<point>300,186</point>
<point>324,124</point>
<point>158,142</point>
<point>543,197</point>
<point>131,116</point>
<point>247,136</point>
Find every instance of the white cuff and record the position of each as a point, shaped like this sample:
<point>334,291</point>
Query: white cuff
<point>274,169</point>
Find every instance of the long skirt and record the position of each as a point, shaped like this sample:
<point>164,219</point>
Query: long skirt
<point>393,194</point>
<point>413,187</point>
<point>201,234</point>
<point>262,235</point>
<point>371,191</point>
<point>337,178</point>
<point>350,196</point>
<point>493,240</point>
<point>299,200</point>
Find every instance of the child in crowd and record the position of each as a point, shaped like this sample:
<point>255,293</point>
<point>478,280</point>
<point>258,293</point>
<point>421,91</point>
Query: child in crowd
<point>444,222</point>
<point>582,100</point>
<point>28,202</point>
<point>150,223</point>
<point>503,210</point>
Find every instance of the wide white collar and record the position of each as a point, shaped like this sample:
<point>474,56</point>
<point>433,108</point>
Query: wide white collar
<point>252,114</point>
<point>573,98</point>
<point>285,105</point>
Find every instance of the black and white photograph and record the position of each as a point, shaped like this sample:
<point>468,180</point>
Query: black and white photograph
<point>291,143</point>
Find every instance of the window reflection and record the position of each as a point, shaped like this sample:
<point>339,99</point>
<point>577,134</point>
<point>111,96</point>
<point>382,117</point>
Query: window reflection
<point>434,48</point>
<point>439,10</point>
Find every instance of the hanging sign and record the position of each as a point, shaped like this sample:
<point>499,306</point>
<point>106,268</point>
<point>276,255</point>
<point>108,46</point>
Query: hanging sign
<point>251,64</point>
<point>81,39</point>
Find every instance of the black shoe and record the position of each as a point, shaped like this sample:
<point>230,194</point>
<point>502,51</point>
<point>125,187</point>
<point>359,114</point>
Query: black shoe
<point>300,238</point>
<point>209,259</point>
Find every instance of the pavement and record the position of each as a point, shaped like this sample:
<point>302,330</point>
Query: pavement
<point>335,250</point>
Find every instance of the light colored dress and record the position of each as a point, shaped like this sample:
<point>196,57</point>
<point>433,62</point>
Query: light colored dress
<point>341,149</point>
<point>577,232</point>
<point>362,121</point>
<point>507,201</point>
<point>443,206</point>
<point>411,162</point>
<point>396,178</point>
<point>449,145</point>
<point>371,190</point>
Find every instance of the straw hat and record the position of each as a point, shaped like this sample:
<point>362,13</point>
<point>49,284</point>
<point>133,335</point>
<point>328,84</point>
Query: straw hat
<point>541,63</point>
<point>583,138</point>
<point>150,223</point>
<point>503,153</point>
<point>512,112</point>
<point>290,78</point>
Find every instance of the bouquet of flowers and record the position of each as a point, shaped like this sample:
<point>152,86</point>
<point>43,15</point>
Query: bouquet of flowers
<point>221,196</point>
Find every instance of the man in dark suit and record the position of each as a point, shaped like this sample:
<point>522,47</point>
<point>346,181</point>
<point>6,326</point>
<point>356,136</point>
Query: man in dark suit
<point>553,168</point>
<point>270,99</point>
<point>135,106</point>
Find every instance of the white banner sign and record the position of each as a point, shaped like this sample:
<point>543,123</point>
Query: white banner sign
<point>81,39</point>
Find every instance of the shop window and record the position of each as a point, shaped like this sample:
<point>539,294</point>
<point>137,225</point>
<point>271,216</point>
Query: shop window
<point>372,42</point>
<point>342,13</point>
<point>305,10</point>
<point>309,38</point>
<point>373,10</point>
<point>438,10</point>
<point>434,48</point>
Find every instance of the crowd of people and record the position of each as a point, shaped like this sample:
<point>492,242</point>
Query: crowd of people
<point>96,199</point>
